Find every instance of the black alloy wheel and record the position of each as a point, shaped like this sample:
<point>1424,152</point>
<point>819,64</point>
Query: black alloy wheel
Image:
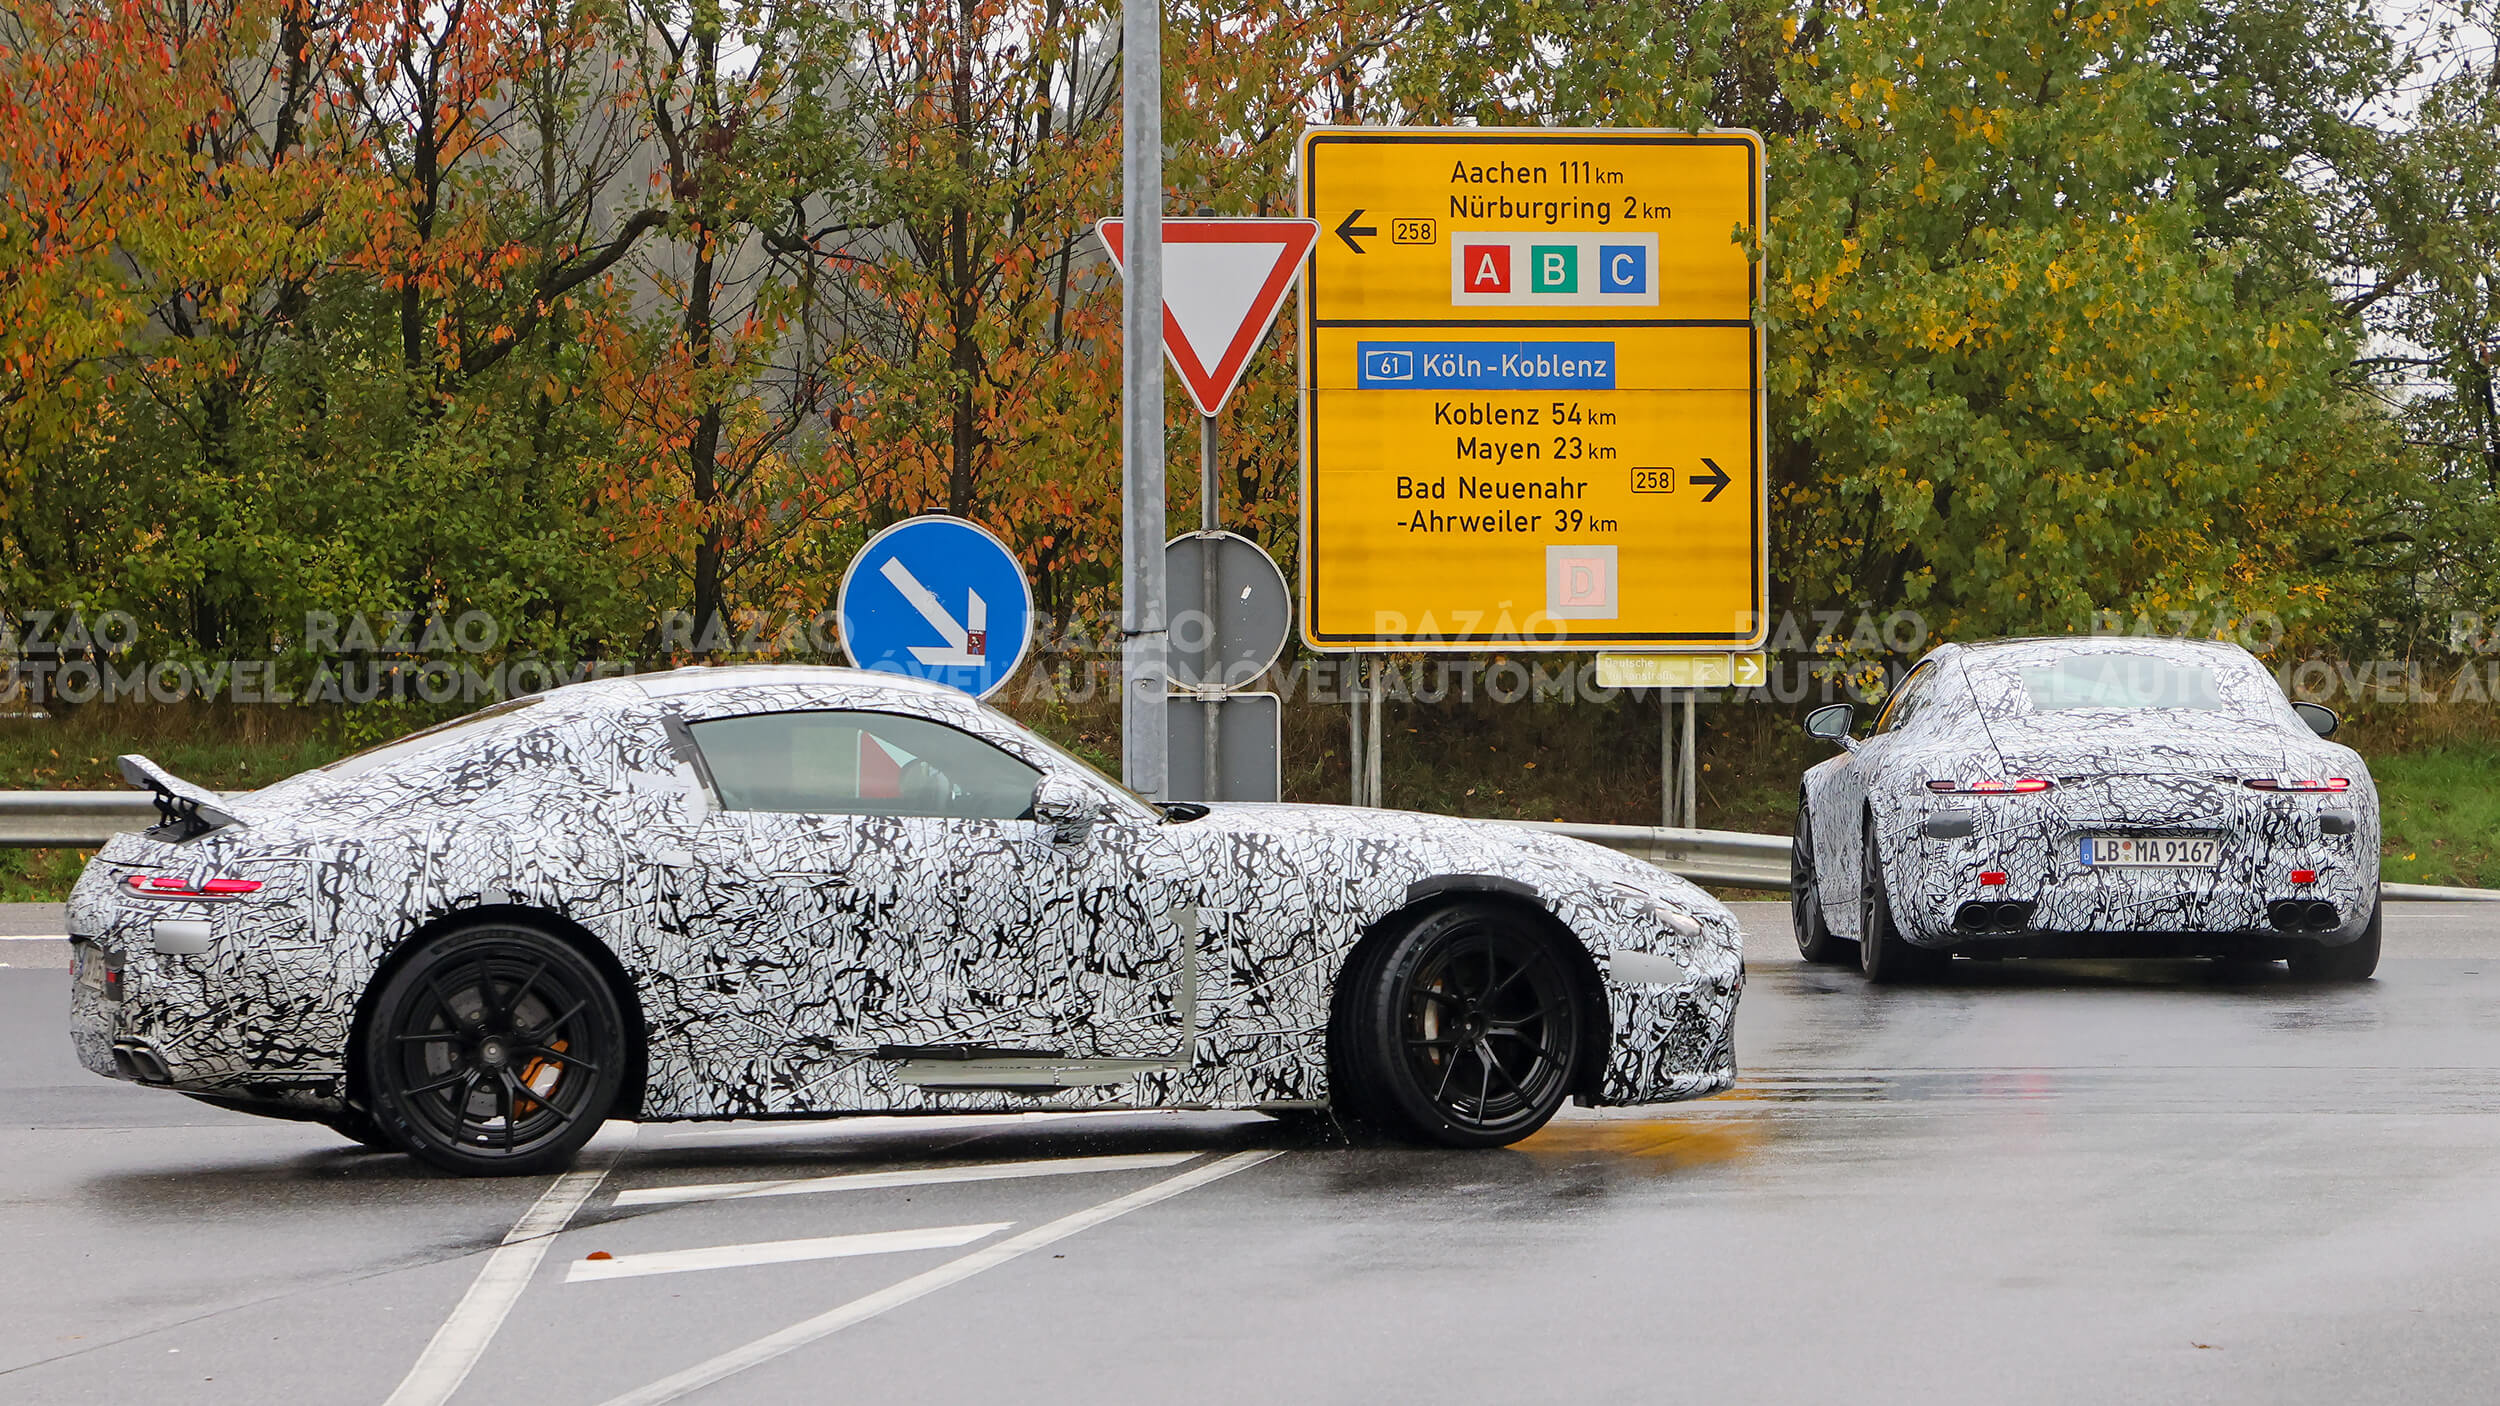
<point>1815,940</point>
<point>1468,1028</point>
<point>495,1051</point>
<point>1884,955</point>
<point>2356,960</point>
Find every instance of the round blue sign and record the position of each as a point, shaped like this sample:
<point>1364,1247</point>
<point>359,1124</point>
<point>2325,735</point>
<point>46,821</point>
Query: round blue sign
<point>939,598</point>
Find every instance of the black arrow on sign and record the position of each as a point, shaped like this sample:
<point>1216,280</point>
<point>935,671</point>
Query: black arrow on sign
<point>1717,479</point>
<point>1347,229</point>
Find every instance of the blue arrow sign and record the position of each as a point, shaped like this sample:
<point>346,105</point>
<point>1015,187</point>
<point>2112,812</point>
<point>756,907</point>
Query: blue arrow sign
<point>937,598</point>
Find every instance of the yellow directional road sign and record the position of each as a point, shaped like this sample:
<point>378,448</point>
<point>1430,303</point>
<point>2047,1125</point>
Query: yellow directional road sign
<point>1532,390</point>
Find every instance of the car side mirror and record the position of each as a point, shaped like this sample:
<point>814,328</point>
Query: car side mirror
<point>2321,718</point>
<point>1069,807</point>
<point>1833,722</point>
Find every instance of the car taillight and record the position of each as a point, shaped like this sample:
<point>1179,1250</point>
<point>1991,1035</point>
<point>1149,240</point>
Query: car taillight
<point>2298,783</point>
<point>1992,786</point>
<point>175,886</point>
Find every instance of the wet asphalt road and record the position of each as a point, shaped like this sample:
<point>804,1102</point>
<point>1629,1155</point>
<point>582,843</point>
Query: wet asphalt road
<point>2076,1182</point>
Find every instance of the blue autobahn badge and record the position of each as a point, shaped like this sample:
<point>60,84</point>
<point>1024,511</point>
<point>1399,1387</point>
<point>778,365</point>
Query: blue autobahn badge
<point>1485,366</point>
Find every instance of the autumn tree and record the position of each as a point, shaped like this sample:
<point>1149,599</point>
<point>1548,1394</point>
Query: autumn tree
<point>712,379</point>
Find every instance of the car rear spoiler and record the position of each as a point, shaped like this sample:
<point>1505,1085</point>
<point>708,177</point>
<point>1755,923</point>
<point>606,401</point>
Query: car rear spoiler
<point>188,810</point>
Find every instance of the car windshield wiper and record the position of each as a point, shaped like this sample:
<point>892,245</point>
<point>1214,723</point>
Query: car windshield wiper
<point>1181,810</point>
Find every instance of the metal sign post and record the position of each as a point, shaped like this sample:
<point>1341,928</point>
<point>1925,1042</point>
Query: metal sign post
<point>1145,742</point>
<point>1678,677</point>
<point>1230,279</point>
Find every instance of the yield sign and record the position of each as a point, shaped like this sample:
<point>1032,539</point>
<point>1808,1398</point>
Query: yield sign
<point>1223,281</point>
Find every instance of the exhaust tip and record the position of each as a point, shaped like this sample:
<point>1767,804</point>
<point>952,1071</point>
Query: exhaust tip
<point>2303,915</point>
<point>141,1062</point>
<point>2013,915</point>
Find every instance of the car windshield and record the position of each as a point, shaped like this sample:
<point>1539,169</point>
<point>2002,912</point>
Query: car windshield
<point>1072,760</point>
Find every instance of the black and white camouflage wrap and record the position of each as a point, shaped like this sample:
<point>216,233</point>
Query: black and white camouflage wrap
<point>772,955</point>
<point>2132,771</point>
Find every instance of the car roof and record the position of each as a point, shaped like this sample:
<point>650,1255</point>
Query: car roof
<point>2170,646</point>
<point>704,678</point>
<point>694,680</point>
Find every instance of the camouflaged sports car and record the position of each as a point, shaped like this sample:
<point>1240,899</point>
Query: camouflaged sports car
<point>753,892</point>
<point>2095,796</point>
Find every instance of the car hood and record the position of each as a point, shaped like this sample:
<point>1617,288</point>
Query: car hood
<point>1429,845</point>
<point>2095,742</point>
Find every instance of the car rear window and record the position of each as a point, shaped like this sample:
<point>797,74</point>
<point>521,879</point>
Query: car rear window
<point>2118,681</point>
<point>426,741</point>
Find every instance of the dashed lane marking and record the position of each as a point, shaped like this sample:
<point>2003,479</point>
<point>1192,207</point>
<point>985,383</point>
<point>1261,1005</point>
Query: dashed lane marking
<point>925,1176</point>
<point>822,1247</point>
<point>954,1271</point>
<point>462,1339</point>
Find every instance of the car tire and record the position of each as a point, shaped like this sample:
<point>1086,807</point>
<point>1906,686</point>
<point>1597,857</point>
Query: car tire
<point>2356,960</point>
<point>495,1050</point>
<point>1884,955</point>
<point>1815,940</point>
<point>1466,1029</point>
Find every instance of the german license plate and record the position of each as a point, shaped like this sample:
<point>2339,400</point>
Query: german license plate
<point>2151,851</point>
<point>89,966</point>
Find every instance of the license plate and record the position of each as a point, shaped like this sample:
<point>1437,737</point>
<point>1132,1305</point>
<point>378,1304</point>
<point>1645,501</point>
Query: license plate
<point>2151,851</point>
<point>97,968</point>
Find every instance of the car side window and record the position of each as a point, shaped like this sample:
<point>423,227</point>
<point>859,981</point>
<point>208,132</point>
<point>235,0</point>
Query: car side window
<point>1907,700</point>
<point>861,763</point>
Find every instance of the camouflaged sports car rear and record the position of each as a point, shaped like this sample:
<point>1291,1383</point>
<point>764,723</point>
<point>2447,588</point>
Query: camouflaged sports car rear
<point>2294,817</point>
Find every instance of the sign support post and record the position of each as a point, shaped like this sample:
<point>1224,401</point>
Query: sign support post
<point>1354,729</point>
<point>1231,279</point>
<point>1210,519</point>
<point>1145,753</point>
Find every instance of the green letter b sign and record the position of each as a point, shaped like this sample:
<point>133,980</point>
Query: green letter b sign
<point>1554,268</point>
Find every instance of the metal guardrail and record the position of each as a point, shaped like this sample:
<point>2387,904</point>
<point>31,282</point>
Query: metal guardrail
<point>1704,856</point>
<point>1761,861</point>
<point>86,819</point>
<point>71,819</point>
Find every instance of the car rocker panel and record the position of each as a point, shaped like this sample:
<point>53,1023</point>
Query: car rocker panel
<point>2000,871</point>
<point>790,964</point>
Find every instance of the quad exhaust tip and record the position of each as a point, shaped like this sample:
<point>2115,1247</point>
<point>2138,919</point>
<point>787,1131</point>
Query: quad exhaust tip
<point>136,1060</point>
<point>2013,915</point>
<point>2303,915</point>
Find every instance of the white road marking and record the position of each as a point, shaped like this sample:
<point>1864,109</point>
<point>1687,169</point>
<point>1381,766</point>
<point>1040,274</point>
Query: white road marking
<point>927,1282</point>
<point>34,937</point>
<point>925,1176</point>
<point>823,1247</point>
<point>462,1339</point>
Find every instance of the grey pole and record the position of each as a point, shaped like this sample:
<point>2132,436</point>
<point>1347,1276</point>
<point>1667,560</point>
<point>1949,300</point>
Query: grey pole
<point>1210,519</point>
<point>1145,755</point>
<point>1372,693</point>
<point>1667,795</point>
<point>1691,769</point>
<point>1354,726</point>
